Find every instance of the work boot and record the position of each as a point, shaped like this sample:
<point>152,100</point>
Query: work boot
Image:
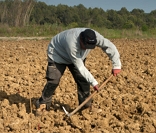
<point>40,108</point>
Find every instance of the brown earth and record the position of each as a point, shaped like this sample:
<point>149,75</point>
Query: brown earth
<point>128,102</point>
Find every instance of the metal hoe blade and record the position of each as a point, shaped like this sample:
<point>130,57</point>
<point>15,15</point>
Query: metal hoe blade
<point>67,113</point>
<point>82,104</point>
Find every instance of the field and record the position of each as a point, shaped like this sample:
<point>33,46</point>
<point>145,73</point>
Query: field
<point>128,101</point>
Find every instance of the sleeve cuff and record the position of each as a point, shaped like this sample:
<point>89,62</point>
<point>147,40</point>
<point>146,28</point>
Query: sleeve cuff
<point>116,67</point>
<point>94,83</point>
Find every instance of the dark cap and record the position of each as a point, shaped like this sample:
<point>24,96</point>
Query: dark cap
<point>89,38</point>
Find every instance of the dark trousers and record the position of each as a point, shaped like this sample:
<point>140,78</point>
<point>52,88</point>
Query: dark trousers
<point>53,75</point>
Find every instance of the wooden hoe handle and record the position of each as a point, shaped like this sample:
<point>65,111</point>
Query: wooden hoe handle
<point>87,99</point>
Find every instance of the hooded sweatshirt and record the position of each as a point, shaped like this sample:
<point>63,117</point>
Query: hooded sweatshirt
<point>64,48</point>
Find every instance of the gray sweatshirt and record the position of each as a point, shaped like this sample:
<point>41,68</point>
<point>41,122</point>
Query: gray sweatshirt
<point>64,48</point>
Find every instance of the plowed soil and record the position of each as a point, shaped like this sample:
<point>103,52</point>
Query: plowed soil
<point>128,101</point>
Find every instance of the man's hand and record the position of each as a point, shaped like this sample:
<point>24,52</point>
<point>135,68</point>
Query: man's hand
<point>116,71</point>
<point>96,87</point>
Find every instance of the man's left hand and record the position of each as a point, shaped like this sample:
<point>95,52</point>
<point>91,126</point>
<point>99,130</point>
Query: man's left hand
<point>116,71</point>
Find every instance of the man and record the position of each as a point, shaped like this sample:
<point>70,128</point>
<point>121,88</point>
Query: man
<point>70,49</point>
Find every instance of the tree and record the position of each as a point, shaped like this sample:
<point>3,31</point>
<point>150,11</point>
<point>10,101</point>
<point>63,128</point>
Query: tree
<point>25,12</point>
<point>38,14</point>
<point>116,19</point>
<point>139,17</point>
<point>16,12</point>
<point>97,17</point>
<point>151,19</point>
<point>83,15</point>
<point>64,14</point>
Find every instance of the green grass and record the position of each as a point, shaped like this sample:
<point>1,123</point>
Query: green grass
<point>51,30</point>
<point>131,33</point>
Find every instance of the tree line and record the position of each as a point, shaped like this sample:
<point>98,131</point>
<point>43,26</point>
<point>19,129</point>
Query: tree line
<point>28,12</point>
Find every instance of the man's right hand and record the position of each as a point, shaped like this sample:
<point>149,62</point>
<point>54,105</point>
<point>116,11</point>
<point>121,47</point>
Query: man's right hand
<point>96,87</point>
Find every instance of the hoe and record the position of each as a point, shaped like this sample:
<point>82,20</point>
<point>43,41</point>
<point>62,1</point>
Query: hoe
<point>82,104</point>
